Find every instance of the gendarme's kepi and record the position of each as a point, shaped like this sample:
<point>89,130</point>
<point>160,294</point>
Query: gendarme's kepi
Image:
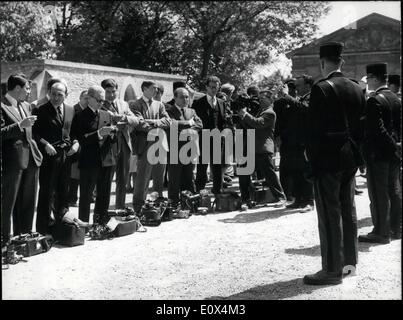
<point>330,50</point>
<point>377,69</point>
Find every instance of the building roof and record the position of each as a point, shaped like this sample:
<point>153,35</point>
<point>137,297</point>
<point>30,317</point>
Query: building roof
<point>374,32</point>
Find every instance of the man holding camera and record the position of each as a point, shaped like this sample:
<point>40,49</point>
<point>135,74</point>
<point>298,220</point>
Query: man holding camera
<point>52,133</point>
<point>21,159</point>
<point>121,113</point>
<point>185,118</point>
<point>262,119</point>
<point>96,133</point>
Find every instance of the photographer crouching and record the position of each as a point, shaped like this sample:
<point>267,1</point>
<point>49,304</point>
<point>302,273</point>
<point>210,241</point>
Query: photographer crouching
<point>255,111</point>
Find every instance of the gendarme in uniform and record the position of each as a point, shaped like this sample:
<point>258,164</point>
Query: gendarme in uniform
<point>334,133</point>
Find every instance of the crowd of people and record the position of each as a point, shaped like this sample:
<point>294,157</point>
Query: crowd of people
<point>324,132</point>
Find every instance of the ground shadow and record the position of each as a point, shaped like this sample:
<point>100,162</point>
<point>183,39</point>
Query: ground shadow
<point>252,217</point>
<point>274,291</point>
<point>315,250</point>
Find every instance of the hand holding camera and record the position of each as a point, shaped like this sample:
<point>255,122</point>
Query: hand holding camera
<point>28,122</point>
<point>50,150</point>
<point>106,131</point>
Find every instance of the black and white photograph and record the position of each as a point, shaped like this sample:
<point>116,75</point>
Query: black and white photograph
<point>213,152</point>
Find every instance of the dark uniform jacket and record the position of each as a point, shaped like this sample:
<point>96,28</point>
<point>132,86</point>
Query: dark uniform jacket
<point>329,147</point>
<point>16,144</point>
<point>382,124</point>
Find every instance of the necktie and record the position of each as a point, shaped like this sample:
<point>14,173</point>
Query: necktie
<point>59,113</point>
<point>20,110</point>
<point>114,107</point>
<point>183,113</point>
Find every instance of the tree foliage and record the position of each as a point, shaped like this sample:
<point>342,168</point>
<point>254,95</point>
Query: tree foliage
<point>195,38</point>
<point>25,32</point>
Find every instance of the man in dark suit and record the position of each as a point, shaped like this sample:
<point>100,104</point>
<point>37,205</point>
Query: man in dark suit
<point>94,130</point>
<point>293,141</point>
<point>183,118</point>
<point>52,134</point>
<point>262,120</point>
<point>75,172</point>
<point>382,154</point>
<point>283,132</point>
<point>212,111</point>
<point>45,99</point>
<point>21,159</point>
<point>121,113</point>
<point>155,117</point>
<point>334,134</point>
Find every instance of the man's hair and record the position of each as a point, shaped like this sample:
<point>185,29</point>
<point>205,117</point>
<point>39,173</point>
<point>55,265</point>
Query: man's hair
<point>212,79</point>
<point>52,81</point>
<point>178,84</point>
<point>222,95</point>
<point>60,83</point>
<point>93,90</point>
<point>109,83</point>
<point>83,93</point>
<point>16,80</point>
<point>252,90</point>
<point>228,88</point>
<point>146,84</point>
<point>176,92</point>
<point>160,87</point>
<point>307,79</point>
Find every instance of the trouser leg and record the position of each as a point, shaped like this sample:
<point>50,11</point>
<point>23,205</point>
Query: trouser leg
<point>88,179</point>
<point>141,182</point>
<point>349,217</point>
<point>327,197</point>
<point>266,165</point>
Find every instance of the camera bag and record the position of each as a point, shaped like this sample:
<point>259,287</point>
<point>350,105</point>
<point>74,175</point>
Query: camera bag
<point>261,194</point>
<point>227,201</point>
<point>126,226</point>
<point>69,234</point>
<point>205,200</point>
<point>31,244</point>
<point>151,215</point>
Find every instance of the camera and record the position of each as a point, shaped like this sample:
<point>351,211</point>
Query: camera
<point>245,101</point>
<point>190,201</point>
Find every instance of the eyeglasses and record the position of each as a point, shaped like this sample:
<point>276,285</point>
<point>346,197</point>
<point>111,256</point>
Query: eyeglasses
<point>97,100</point>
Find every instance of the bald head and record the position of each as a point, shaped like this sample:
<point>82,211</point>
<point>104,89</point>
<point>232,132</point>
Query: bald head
<point>181,96</point>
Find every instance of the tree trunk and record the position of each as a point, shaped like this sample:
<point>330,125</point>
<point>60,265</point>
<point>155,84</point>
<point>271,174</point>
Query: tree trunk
<point>207,50</point>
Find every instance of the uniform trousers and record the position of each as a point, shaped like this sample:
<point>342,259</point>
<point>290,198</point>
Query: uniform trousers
<point>385,195</point>
<point>337,219</point>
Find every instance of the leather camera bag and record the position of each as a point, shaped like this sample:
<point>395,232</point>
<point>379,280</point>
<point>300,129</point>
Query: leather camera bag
<point>228,201</point>
<point>68,234</point>
<point>31,244</point>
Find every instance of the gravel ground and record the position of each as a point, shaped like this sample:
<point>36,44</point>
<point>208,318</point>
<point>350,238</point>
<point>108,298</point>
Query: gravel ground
<point>259,254</point>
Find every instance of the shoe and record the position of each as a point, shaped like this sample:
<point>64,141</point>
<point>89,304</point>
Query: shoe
<point>323,278</point>
<point>307,208</point>
<point>295,205</point>
<point>278,203</point>
<point>395,235</point>
<point>349,271</point>
<point>358,192</point>
<point>373,238</point>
